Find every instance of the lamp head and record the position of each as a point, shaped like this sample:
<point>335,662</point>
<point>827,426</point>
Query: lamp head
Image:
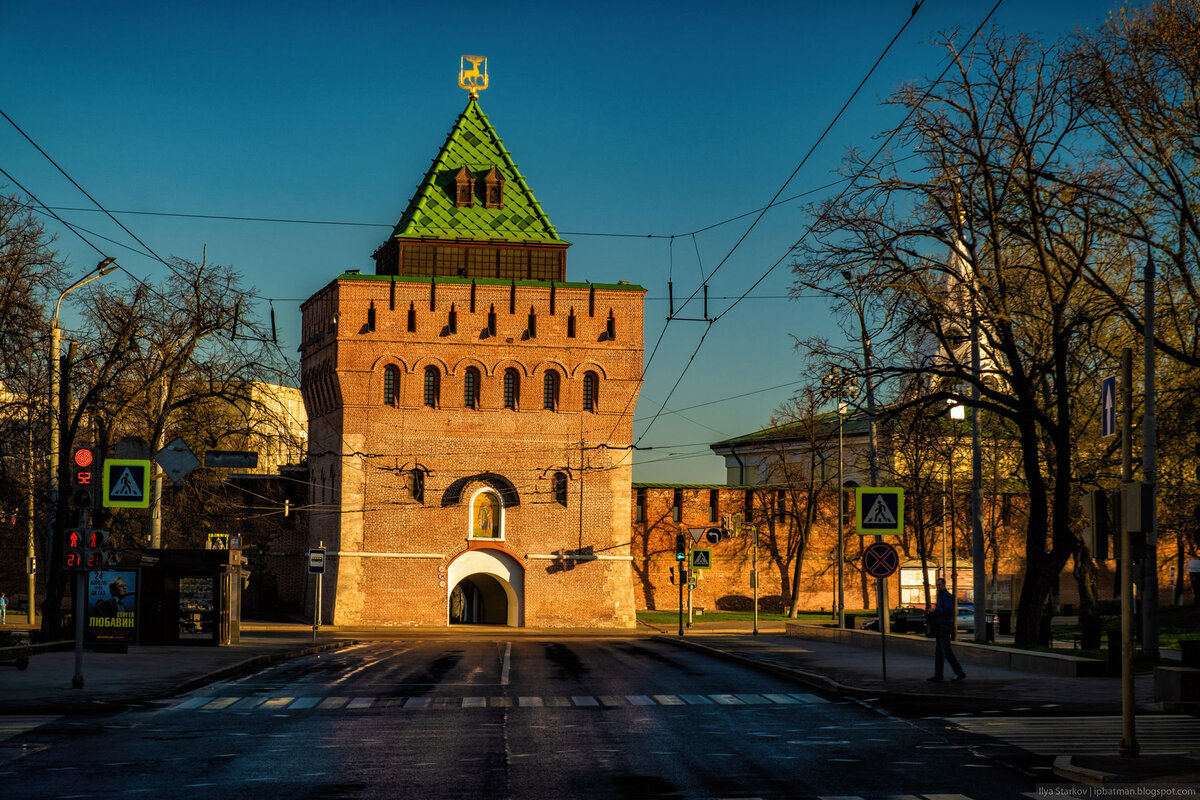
<point>106,266</point>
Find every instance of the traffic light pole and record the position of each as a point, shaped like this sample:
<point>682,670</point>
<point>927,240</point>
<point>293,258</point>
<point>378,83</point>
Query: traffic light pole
<point>80,613</point>
<point>1129,745</point>
<point>682,580</point>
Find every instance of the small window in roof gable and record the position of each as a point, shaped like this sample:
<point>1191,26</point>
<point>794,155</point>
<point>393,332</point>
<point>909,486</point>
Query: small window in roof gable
<point>464,183</point>
<point>493,186</point>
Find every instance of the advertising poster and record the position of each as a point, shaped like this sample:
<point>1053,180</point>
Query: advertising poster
<point>197,618</point>
<point>112,606</point>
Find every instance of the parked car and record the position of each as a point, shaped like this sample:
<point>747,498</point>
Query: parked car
<point>966,619</point>
<point>906,619</point>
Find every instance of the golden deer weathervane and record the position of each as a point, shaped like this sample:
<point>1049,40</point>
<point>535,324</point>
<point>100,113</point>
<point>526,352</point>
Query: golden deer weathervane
<point>473,80</point>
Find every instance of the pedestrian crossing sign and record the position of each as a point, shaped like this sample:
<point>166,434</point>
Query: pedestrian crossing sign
<point>879,510</point>
<point>701,558</point>
<point>126,483</point>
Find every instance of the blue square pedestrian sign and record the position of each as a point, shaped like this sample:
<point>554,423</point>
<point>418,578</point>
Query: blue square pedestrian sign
<point>879,510</point>
<point>127,483</point>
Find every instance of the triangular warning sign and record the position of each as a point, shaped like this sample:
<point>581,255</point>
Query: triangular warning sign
<point>127,486</point>
<point>880,513</point>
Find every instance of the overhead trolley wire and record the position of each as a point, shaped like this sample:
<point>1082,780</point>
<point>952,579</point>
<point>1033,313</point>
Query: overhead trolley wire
<point>737,244</point>
<point>841,194</point>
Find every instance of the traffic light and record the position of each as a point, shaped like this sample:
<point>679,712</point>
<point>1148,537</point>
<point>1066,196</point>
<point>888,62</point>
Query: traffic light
<point>85,478</point>
<point>73,549</point>
<point>1096,534</point>
<point>681,548</point>
<point>94,543</point>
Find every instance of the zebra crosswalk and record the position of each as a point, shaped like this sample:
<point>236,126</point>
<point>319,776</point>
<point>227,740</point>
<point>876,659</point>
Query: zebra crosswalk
<point>16,725</point>
<point>1099,736</point>
<point>271,702</point>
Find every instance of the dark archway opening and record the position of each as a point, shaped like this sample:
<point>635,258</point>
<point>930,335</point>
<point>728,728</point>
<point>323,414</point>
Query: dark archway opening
<point>479,599</point>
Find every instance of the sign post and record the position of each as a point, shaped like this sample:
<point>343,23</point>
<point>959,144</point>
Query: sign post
<point>879,511</point>
<point>316,566</point>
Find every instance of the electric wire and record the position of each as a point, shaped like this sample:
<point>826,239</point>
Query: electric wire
<point>757,219</point>
<point>812,225</point>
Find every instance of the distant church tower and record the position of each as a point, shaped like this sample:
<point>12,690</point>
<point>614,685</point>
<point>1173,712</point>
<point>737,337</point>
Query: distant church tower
<point>471,413</point>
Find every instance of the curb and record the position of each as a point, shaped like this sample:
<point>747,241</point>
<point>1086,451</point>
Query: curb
<point>249,665</point>
<point>1063,768</point>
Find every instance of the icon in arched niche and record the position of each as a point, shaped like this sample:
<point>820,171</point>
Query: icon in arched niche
<point>485,516</point>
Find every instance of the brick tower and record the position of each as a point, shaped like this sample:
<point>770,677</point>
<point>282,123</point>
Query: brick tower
<point>470,414</point>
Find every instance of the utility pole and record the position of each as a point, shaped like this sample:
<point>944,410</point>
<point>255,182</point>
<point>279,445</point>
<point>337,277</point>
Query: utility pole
<point>1129,746</point>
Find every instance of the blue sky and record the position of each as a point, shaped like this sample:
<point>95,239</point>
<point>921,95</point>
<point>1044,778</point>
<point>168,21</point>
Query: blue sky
<point>632,122</point>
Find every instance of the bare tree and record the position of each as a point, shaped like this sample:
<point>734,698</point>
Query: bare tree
<point>182,356</point>
<point>801,467</point>
<point>973,249</point>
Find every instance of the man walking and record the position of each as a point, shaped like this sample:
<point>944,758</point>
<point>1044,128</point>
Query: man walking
<point>942,619</point>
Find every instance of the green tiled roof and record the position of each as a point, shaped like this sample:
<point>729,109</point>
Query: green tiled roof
<point>432,212</point>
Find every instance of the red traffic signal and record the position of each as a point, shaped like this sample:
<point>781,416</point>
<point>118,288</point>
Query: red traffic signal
<point>74,556</point>
<point>83,548</point>
<point>94,543</point>
<point>85,478</point>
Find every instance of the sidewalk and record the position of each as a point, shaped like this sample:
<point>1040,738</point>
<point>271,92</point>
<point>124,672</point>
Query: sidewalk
<point>855,672</point>
<point>113,681</point>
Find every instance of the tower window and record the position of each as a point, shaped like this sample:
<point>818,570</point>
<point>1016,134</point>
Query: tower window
<point>412,318</point>
<point>590,390</point>
<point>677,505</point>
<point>416,484</point>
<point>471,388</point>
<point>391,381</point>
<point>550,391</point>
<point>433,387</point>
<point>452,321</point>
<point>464,186</point>
<point>640,507</point>
<point>714,498</point>
<point>560,488</point>
<point>491,324</point>
<point>571,324</point>
<point>512,388</point>
<point>493,189</point>
<point>532,323</point>
<point>610,328</point>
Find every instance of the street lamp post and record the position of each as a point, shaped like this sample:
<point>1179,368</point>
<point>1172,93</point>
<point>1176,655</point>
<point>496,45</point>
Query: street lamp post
<point>841,386</point>
<point>103,268</point>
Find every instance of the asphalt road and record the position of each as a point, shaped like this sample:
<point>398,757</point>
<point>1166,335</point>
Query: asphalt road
<point>493,718</point>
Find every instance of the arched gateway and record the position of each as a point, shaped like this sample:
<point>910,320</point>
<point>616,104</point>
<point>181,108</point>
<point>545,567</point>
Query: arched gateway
<point>486,587</point>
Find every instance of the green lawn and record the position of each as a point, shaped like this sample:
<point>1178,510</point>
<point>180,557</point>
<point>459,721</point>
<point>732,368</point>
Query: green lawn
<point>668,617</point>
<point>1175,623</point>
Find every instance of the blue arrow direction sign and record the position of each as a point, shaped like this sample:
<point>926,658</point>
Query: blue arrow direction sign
<point>1108,406</point>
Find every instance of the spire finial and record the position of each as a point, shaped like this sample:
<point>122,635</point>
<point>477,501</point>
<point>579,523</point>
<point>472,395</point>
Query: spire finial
<point>473,80</point>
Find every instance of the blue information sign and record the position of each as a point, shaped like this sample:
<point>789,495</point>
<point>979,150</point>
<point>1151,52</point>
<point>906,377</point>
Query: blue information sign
<point>1108,406</point>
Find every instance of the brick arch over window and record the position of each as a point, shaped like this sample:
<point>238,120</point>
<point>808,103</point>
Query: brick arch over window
<point>588,366</point>
<point>508,493</point>
<point>463,363</point>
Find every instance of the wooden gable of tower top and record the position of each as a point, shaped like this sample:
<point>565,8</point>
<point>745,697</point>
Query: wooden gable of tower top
<point>473,216</point>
